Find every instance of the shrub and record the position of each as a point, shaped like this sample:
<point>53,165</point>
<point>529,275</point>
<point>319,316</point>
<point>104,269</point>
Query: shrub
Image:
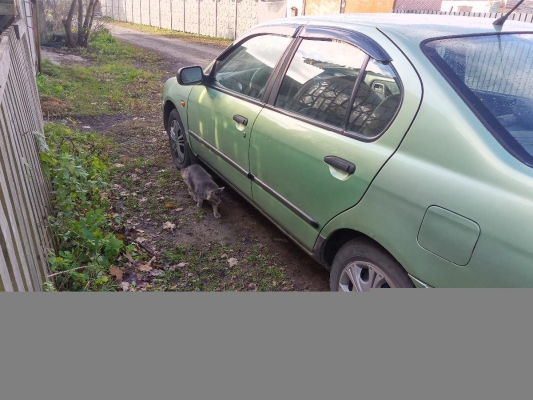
<point>83,224</point>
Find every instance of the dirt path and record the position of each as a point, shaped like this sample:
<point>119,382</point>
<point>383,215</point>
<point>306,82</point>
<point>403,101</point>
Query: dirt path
<point>180,52</point>
<point>153,183</point>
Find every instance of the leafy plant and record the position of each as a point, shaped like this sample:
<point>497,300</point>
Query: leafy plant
<point>83,224</point>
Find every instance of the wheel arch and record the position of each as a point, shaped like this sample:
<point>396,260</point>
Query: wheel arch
<point>326,249</point>
<point>167,109</point>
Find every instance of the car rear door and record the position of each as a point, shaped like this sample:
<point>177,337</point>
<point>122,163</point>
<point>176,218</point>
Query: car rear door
<point>334,118</point>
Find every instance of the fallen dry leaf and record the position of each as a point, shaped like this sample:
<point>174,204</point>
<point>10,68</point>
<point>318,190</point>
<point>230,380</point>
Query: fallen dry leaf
<point>141,240</point>
<point>170,205</point>
<point>190,274</point>
<point>145,268</point>
<point>232,262</point>
<point>183,264</point>
<point>169,226</point>
<point>157,272</point>
<point>129,257</point>
<point>118,166</point>
<point>116,272</point>
<point>125,286</point>
<point>148,266</point>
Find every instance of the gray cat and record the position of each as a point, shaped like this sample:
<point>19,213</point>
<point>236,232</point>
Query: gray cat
<point>201,187</point>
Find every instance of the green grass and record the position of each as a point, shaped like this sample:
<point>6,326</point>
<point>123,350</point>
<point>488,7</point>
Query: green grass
<point>207,269</point>
<point>111,83</point>
<point>190,37</point>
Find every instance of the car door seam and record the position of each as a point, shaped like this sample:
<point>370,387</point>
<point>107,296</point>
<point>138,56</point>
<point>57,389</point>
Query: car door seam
<point>260,183</point>
<point>402,139</point>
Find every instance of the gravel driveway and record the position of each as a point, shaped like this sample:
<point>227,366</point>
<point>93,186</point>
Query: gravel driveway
<point>183,53</point>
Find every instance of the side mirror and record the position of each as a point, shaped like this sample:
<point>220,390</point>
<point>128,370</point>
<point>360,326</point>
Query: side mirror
<point>190,75</point>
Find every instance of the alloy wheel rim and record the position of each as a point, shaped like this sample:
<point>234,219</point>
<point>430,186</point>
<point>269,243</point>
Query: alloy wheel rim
<point>177,141</point>
<point>361,276</point>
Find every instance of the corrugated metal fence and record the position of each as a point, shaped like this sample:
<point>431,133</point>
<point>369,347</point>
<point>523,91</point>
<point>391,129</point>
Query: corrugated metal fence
<point>219,18</point>
<point>513,17</point>
<point>24,190</point>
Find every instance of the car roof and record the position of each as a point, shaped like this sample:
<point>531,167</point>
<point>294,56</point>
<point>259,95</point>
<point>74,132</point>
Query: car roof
<point>415,27</point>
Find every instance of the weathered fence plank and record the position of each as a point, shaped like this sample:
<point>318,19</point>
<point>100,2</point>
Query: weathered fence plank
<point>28,197</point>
<point>24,190</point>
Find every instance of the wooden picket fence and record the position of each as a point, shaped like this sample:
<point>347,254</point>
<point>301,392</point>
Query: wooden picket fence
<point>24,189</point>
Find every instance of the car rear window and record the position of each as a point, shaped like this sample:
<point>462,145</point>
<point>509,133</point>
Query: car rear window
<point>494,76</point>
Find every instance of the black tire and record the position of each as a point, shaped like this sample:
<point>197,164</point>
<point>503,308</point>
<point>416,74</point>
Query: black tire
<point>182,155</point>
<point>361,264</point>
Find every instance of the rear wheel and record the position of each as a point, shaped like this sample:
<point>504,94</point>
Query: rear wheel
<point>179,148</point>
<point>361,265</point>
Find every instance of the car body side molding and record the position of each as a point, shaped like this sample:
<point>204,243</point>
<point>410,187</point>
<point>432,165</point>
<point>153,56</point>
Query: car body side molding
<point>260,183</point>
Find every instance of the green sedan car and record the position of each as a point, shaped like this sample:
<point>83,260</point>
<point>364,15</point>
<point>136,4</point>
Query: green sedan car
<point>396,150</point>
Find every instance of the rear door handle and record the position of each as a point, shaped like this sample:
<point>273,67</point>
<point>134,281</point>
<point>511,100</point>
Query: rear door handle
<point>240,119</point>
<point>340,163</point>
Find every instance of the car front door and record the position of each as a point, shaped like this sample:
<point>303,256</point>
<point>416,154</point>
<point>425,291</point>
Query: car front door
<point>222,113</point>
<point>339,114</point>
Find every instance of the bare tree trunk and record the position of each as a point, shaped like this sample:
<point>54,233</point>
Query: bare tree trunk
<point>87,24</point>
<point>96,2</point>
<point>67,23</point>
<point>80,22</point>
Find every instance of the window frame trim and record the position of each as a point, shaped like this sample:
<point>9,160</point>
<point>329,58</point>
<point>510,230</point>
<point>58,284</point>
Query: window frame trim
<point>357,135</point>
<point>276,85</point>
<point>261,101</point>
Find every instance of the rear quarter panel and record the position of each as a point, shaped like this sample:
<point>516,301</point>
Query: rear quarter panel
<point>449,159</point>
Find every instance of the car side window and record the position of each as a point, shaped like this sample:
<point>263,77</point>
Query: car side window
<point>320,81</point>
<point>376,102</point>
<point>248,67</point>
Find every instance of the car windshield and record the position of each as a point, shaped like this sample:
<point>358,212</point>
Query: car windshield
<point>494,75</point>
